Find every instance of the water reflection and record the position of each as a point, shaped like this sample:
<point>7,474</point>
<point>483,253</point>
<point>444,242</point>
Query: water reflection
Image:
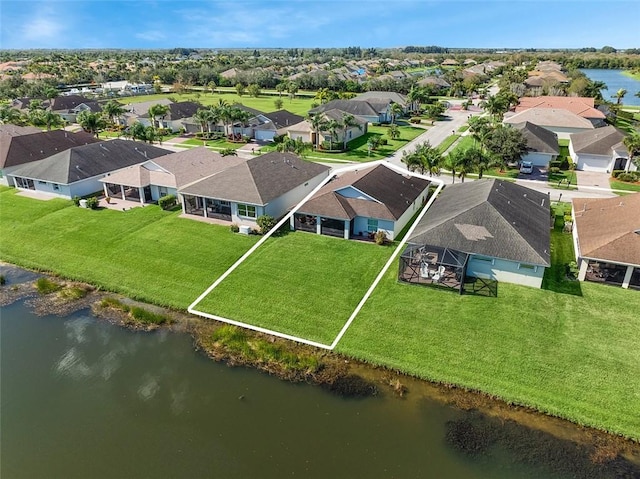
<point>89,399</point>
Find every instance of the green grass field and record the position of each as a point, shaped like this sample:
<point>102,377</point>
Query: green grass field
<point>144,253</point>
<point>300,284</point>
<point>623,185</point>
<point>298,105</point>
<point>570,349</point>
<point>358,150</point>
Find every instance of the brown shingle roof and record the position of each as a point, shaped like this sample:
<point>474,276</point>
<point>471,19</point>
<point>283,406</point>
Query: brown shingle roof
<point>608,229</point>
<point>550,117</point>
<point>258,180</point>
<point>392,192</point>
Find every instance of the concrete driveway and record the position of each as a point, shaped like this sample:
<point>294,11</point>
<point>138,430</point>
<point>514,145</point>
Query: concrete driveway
<point>590,180</point>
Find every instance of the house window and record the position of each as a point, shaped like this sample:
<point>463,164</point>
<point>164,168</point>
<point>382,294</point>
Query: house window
<point>372,225</point>
<point>484,258</point>
<point>528,267</point>
<point>25,183</point>
<point>224,203</point>
<point>246,210</point>
<point>163,191</point>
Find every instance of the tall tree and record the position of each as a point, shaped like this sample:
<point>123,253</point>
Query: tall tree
<point>506,144</point>
<point>156,112</point>
<point>91,122</point>
<point>412,161</point>
<point>620,95</point>
<point>203,116</point>
<point>348,121</point>
<point>480,159</point>
<point>396,111</point>
<point>318,123</point>
<point>453,162</point>
<point>496,106</point>
<point>393,132</point>
<point>632,142</point>
<point>332,127</point>
<point>113,110</point>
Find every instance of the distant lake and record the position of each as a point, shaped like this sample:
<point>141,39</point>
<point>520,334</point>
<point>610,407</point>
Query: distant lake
<point>615,80</point>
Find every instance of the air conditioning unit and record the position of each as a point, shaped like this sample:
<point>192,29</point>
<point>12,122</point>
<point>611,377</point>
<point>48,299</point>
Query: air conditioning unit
<point>245,230</point>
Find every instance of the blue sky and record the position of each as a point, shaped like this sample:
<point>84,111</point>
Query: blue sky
<point>321,23</point>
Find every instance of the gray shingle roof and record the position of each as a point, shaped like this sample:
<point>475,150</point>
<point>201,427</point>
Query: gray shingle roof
<point>355,107</point>
<point>597,142</point>
<point>258,180</point>
<point>393,191</point>
<point>539,138</point>
<point>283,118</point>
<point>494,218</point>
<point>27,148</point>
<point>68,102</point>
<point>82,162</point>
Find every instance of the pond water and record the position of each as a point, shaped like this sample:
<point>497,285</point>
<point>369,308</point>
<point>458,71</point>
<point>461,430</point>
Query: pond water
<point>84,398</point>
<point>615,80</point>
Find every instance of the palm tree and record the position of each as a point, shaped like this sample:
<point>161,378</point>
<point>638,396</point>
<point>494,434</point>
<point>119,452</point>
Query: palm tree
<point>280,87</point>
<point>322,95</point>
<point>393,132</point>
<point>332,127</point>
<point>91,122</point>
<point>396,110</point>
<point>113,110</point>
<point>318,123</point>
<point>413,161</point>
<point>203,116</point>
<point>156,112</point>
<point>137,131</point>
<point>51,119</point>
<point>479,126</point>
<point>453,162</point>
<point>466,165</point>
<point>481,160</point>
<point>496,106</point>
<point>348,121</point>
<point>10,115</point>
<point>620,95</point>
<point>632,142</point>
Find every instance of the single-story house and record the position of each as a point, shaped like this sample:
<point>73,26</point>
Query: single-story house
<point>372,110</point>
<point>274,123</point>
<point>173,120</point>
<point>600,150</point>
<point>149,181</point>
<point>68,106</point>
<point>388,96</point>
<point>269,184</point>
<point>305,132</point>
<point>434,82</point>
<point>480,232</point>
<point>606,237</point>
<point>136,110</point>
<point>581,106</point>
<point>359,203</point>
<point>542,144</point>
<point>562,122</point>
<point>22,145</point>
<point>77,171</point>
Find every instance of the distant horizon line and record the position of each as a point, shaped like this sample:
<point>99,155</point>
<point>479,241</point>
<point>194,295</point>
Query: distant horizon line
<point>494,49</point>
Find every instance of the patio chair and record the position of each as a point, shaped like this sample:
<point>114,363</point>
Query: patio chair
<point>424,270</point>
<point>437,276</point>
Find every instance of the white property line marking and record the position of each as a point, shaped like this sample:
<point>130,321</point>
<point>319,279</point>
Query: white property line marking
<point>284,220</point>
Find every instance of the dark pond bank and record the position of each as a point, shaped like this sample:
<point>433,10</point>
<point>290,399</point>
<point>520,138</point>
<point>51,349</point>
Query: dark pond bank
<point>82,397</point>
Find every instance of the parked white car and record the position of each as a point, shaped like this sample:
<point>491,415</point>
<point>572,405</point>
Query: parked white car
<point>526,167</point>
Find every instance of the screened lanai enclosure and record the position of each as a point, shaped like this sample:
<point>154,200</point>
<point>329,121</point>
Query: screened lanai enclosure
<point>442,267</point>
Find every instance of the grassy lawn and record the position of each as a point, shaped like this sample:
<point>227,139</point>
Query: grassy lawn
<point>298,105</point>
<point>358,150</point>
<point>623,185</point>
<point>570,349</point>
<point>448,141</point>
<point>219,144</point>
<point>301,284</point>
<point>144,253</point>
<point>465,143</point>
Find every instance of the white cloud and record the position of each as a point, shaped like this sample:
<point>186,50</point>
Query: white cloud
<point>151,35</point>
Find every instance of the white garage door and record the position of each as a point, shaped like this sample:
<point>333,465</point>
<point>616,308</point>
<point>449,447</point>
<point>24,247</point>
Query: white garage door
<point>264,135</point>
<point>587,163</point>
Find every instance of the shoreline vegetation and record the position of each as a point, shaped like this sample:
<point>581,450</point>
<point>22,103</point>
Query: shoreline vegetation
<point>551,359</point>
<point>289,361</point>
